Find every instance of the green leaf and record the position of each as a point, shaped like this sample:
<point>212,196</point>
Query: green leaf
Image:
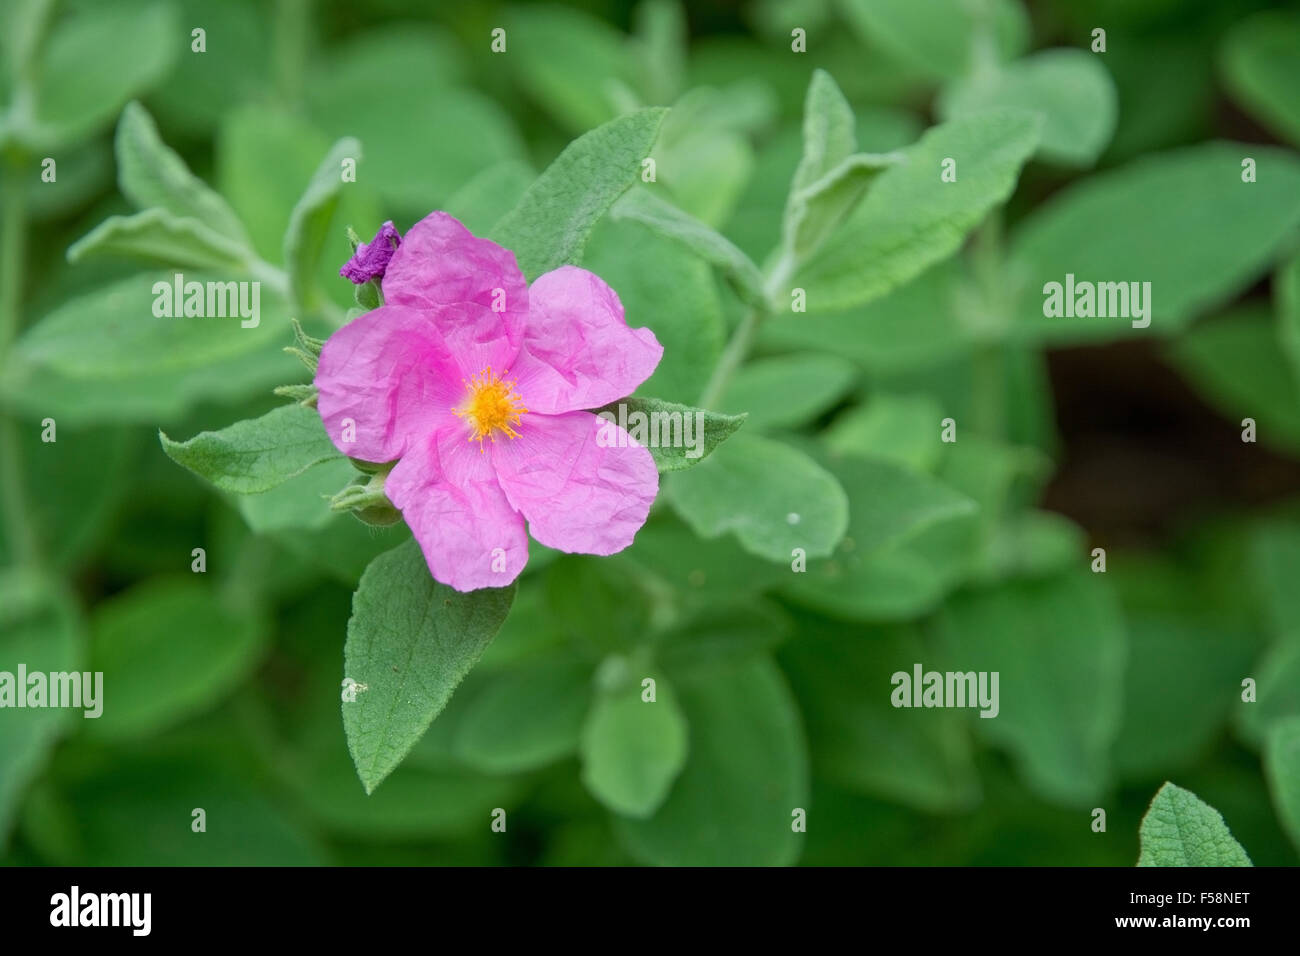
<point>1180,830</point>
<point>550,225</point>
<point>265,159</point>
<point>1238,364</point>
<point>744,728</point>
<point>774,498</point>
<point>256,454</point>
<point>1196,254</point>
<point>662,429</point>
<point>150,174</point>
<point>908,542</point>
<point>1282,767</point>
<point>814,212</point>
<point>633,749</point>
<point>667,220</point>
<point>39,628</point>
<point>153,676</point>
<point>674,293</point>
<point>411,641</point>
<point>113,333</point>
<point>910,219</point>
<point>309,223</point>
<point>829,131</point>
<point>1059,647</point>
<point>859,740</point>
<point>1261,63</point>
<point>155,236</point>
<point>523,717</point>
<point>790,390</point>
<point>830,179</point>
<point>97,60</point>
<point>1069,88</point>
<point>939,37</point>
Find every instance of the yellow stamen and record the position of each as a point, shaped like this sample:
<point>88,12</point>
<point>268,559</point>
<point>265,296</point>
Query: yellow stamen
<point>491,405</point>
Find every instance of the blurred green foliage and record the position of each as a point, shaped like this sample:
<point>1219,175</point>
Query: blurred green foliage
<point>223,687</point>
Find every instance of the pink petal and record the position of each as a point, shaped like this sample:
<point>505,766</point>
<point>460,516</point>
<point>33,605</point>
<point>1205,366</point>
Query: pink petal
<point>577,495</point>
<point>447,492</point>
<point>471,288</point>
<point>384,377</point>
<point>578,351</point>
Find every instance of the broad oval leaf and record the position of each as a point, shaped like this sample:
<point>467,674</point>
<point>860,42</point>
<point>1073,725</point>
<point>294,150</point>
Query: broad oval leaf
<point>774,498</point>
<point>746,775</point>
<point>550,225</point>
<point>633,749</point>
<point>1070,88</point>
<point>411,641</point>
<point>1136,224</point>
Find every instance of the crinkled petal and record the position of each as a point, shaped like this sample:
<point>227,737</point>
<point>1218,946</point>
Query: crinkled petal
<point>577,494</point>
<point>578,351</point>
<point>471,288</point>
<point>448,494</point>
<point>385,378</point>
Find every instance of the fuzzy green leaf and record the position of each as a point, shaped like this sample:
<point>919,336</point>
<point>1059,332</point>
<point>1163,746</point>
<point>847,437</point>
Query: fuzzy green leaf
<point>550,225</point>
<point>151,174</point>
<point>1181,830</point>
<point>910,218</point>
<point>411,641</point>
<point>257,454</point>
<point>156,236</point>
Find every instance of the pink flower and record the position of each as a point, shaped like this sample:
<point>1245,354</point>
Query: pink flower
<point>477,385</point>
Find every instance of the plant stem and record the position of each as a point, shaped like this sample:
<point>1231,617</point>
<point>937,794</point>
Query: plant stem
<point>13,499</point>
<point>736,351</point>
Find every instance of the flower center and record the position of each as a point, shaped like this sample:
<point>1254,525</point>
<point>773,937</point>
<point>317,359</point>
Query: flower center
<point>491,405</point>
